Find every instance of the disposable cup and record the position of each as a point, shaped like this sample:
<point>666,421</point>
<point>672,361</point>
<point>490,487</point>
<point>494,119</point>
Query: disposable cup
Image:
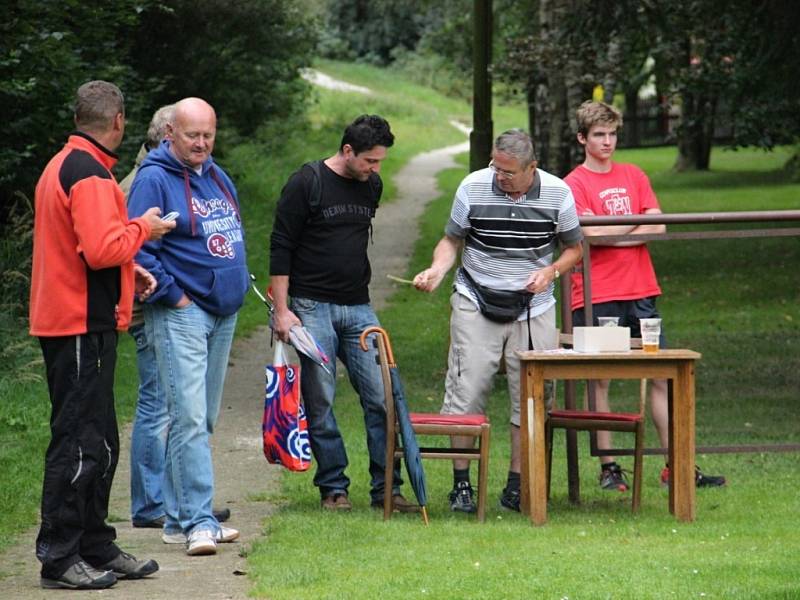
<point>651,332</point>
<point>608,321</point>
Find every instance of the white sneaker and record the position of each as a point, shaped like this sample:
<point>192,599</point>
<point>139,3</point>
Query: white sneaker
<point>201,542</point>
<point>173,538</point>
<point>224,535</point>
<point>227,534</point>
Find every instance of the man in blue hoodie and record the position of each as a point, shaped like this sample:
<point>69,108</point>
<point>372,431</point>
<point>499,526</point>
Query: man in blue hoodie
<point>202,279</point>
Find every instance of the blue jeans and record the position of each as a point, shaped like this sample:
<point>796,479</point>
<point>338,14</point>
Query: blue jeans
<point>149,437</point>
<point>192,348</point>
<point>337,329</point>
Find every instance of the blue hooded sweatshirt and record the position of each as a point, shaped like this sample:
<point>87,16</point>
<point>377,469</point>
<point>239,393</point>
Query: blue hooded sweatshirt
<point>204,256</point>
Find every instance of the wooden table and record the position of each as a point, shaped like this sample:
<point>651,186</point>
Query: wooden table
<point>677,366</point>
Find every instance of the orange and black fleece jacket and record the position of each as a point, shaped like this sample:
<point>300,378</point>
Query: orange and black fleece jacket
<point>83,244</point>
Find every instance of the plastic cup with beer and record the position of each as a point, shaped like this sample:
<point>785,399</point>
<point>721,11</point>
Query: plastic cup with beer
<point>651,332</point>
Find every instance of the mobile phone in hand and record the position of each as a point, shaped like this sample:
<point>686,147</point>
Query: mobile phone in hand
<point>170,216</point>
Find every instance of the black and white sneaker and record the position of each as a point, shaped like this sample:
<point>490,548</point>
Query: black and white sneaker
<point>510,499</point>
<point>461,498</point>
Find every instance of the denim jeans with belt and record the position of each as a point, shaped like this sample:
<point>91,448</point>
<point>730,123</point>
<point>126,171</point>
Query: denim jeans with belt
<point>337,329</point>
<point>192,348</point>
<point>149,436</point>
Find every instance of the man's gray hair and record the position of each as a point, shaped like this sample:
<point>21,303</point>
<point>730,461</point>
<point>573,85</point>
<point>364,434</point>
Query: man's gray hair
<point>157,129</point>
<point>516,143</point>
<point>96,105</point>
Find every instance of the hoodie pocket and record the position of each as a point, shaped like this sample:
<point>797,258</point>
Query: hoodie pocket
<point>228,288</point>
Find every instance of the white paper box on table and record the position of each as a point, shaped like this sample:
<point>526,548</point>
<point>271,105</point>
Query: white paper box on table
<point>601,339</point>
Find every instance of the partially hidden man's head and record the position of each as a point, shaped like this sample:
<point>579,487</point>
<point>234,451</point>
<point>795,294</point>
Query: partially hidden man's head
<point>513,161</point>
<point>192,131</point>
<point>158,130</point>
<point>364,145</point>
<point>100,112</point>
<point>591,113</point>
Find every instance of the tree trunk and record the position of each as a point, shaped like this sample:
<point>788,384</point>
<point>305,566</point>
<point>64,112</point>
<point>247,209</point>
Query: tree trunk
<point>530,97</point>
<point>631,131</point>
<point>539,111</point>
<point>696,131</point>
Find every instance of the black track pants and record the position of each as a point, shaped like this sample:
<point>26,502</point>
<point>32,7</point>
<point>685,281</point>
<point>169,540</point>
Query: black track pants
<point>83,452</point>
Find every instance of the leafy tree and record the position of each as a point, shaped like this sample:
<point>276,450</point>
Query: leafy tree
<point>559,50</point>
<point>47,49</point>
<point>372,29</point>
<point>243,57</point>
<point>738,53</point>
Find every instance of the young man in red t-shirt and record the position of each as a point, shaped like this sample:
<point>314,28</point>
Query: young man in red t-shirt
<point>624,282</point>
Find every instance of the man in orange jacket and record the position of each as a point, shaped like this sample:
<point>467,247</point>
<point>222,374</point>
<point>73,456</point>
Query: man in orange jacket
<point>82,286</point>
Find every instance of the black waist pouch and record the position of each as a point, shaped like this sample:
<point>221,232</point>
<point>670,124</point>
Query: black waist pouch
<point>501,306</point>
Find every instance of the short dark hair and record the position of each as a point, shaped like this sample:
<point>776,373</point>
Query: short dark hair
<point>96,105</point>
<point>366,132</point>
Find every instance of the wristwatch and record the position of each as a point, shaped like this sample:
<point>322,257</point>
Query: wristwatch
<point>557,272</point>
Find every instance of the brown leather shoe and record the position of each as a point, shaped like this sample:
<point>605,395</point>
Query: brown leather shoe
<point>336,502</point>
<point>399,504</point>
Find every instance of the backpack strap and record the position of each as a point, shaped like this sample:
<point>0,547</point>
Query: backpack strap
<point>315,192</point>
<point>376,186</point>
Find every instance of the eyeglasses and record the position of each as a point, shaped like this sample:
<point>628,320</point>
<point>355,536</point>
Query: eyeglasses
<point>501,172</point>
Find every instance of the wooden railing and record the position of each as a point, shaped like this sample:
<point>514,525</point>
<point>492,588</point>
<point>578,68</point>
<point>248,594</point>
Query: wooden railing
<point>763,217</point>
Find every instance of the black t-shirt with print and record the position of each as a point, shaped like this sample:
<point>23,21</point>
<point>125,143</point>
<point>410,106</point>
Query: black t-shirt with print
<point>323,249</point>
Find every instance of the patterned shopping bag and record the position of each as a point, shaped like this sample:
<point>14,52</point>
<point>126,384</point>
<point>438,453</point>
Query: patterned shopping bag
<point>284,426</point>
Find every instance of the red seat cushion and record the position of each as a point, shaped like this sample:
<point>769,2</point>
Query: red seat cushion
<point>598,416</point>
<point>437,419</point>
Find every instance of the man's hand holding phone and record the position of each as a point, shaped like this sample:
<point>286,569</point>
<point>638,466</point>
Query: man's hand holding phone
<point>158,226</point>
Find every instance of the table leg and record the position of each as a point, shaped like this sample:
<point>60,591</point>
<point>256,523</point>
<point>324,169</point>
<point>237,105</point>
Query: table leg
<point>682,444</point>
<point>525,435</point>
<point>537,465</point>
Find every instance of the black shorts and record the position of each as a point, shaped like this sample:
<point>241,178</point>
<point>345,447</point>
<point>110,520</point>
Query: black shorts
<point>628,311</point>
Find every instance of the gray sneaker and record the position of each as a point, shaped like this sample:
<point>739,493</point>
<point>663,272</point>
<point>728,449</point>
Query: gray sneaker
<point>613,479</point>
<point>81,576</point>
<point>126,566</point>
<point>461,498</point>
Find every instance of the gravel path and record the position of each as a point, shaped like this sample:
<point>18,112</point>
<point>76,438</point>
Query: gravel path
<point>243,477</point>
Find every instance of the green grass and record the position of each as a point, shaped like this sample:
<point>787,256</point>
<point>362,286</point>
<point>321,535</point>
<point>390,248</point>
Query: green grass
<point>734,301</point>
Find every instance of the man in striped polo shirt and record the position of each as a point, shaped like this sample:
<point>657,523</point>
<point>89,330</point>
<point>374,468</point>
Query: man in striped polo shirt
<point>510,218</point>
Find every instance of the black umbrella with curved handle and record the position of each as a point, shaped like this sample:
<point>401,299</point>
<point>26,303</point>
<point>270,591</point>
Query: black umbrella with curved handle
<point>398,409</point>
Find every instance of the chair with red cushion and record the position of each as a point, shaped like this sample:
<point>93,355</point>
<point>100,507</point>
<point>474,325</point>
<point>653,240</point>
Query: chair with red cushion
<point>429,424</point>
<point>587,420</point>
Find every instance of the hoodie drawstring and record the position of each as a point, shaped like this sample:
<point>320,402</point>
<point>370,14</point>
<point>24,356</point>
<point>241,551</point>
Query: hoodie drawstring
<point>187,189</point>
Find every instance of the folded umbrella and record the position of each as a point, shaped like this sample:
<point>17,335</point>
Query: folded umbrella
<point>411,452</point>
<point>299,336</point>
<point>304,342</point>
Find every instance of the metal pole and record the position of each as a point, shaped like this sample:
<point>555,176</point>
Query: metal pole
<point>480,139</point>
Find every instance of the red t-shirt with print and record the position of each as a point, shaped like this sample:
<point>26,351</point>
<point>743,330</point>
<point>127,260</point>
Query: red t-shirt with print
<point>624,273</point>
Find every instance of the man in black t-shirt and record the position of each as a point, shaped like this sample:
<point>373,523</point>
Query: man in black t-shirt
<point>318,258</point>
